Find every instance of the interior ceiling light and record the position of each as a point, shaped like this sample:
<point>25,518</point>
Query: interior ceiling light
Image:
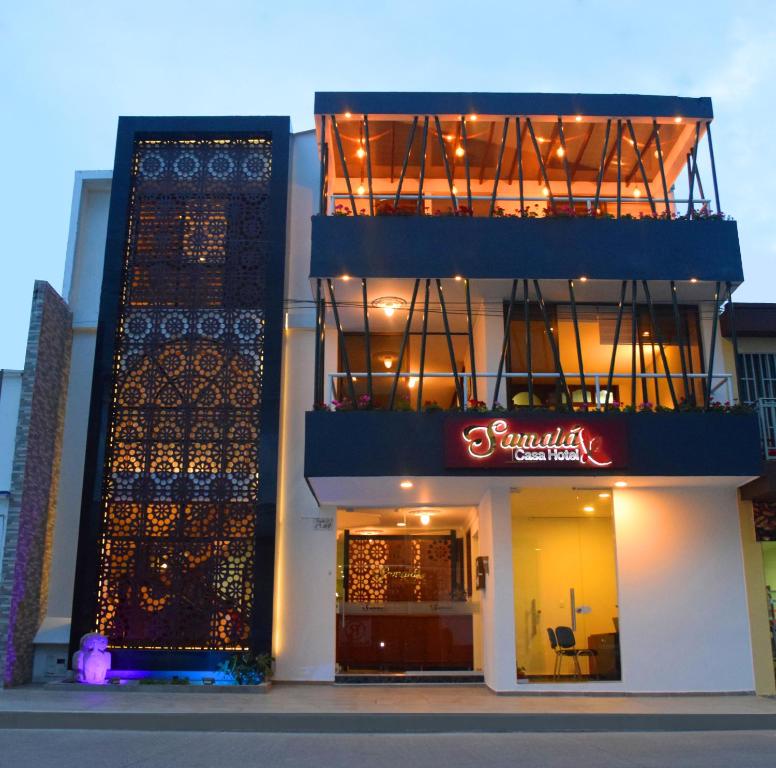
<point>583,279</point>
<point>693,279</point>
<point>459,152</point>
<point>389,304</point>
<point>387,360</point>
<point>560,151</point>
<point>455,190</point>
<point>620,484</point>
<point>637,192</point>
<point>412,382</point>
<point>578,118</point>
<point>677,119</point>
<point>345,278</point>
<point>588,509</point>
<point>458,278</point>
<point>360,189</point>
<point>405,484</point>
<point>401,524</point>
<point>546,191</point>
<point>360,152</point>
<point>425,518</point>
<point>348,115</point>
<point>604,495</point>
<point>473,118</point>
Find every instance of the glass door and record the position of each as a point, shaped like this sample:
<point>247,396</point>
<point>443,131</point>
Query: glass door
<point>566,617</point>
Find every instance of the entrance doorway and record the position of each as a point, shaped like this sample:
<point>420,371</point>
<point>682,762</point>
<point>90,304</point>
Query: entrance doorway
<point>769,567</point>
<point>405,597</point>
<point>565,585</point>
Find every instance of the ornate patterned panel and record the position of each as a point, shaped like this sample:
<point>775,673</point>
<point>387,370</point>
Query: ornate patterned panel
<point>398,569</point>
<point>181,471</point>
<point>765,520</point>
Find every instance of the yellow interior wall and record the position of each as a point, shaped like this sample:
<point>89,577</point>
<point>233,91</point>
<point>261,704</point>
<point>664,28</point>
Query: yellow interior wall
<point>551,555</point>
<point>769,563</point>
<point>757,576</point>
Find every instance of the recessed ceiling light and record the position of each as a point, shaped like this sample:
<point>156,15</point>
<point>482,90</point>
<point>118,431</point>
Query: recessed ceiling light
<point>693,279</point>
<point>348,115</point>
<point>425,519</point>
<point>620,484</point>
<point>459,152</point>
<point>677,119</point>
<point>401,525</point>
<point>588,509</point>
<point>406,484</point>
<point>604,495</point>
<point>578,118</point>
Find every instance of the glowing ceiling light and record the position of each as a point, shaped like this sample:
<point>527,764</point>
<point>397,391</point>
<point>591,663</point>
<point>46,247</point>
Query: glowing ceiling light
<point>459,152</point>
<point>412,382</point>
<point>588,509</point>
<point>346,278</point>
<point>448,137</point>
<point>348,115</point>
<point>604,495</point>
<point>637,192</point>
<point>458,278</point>
<point>389,304</point>
<point>560,151</point>
<point>546,191</point>
<point>406,484</point>
<point>388,361</point>
<point>401,525</point>
<point>455,190</point>
<point>620,484</point>
<point>360,152</point>
<point>578,118</point>
<point>425,519</point>
<point>677,119</point>
<point>583,279</point>
<point>693,279</point>
<point>657,154</point>
<point>360,189</point>
<point>473,118</point>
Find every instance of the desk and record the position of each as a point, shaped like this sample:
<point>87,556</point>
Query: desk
<point>605,664</point>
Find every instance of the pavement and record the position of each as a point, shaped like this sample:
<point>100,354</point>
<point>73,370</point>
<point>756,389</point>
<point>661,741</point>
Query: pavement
<point>124,749</point>
<point>309,708</point>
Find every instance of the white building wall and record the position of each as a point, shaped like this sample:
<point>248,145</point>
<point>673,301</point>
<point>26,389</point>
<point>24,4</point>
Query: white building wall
<point>306,557</point>
<point>81,289</point>
<point>10,394</point>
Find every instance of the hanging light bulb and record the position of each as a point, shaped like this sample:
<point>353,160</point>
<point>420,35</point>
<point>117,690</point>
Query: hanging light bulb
<point>389,309</point>
<point>459,152</point>
<point>360,152</point>
<point>388,361</point>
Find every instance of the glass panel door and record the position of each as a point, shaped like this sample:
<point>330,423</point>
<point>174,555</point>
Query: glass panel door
<point>566,617</point>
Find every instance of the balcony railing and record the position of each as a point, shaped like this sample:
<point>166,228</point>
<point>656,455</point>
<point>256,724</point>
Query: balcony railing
<point>601,399</point>
<point>766,412</point>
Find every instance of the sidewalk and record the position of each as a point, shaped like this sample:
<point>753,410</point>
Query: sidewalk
<point>302,708</point>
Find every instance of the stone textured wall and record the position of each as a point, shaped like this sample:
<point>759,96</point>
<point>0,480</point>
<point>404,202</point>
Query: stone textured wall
<point>32,507</point>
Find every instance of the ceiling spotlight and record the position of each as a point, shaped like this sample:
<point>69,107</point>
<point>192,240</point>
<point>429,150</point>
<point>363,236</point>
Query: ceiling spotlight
<point>560,151</point>
<point>473,118</point>
<point>425,519</point>
<point>693,279</point>
<point>346,278</point>
<point>360,189</point>
<point>583,279</point>
<point>401,525</point>
<point>588,509</point>
<point>360,152</point>
<point>412,382</point>
<point>458,278</point>
<point>348,115</point>
<point>604,495</point>
<point>620,484</point>
<point>578,118</point>
<point>677,119</point>
<point>459,152</point>
<point>546,191</point>
<point>387,361</point>
<point>637,192</point>
<point>406,484</point>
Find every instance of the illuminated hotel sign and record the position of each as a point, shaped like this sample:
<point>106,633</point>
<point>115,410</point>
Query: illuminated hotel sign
<point>539,444</point>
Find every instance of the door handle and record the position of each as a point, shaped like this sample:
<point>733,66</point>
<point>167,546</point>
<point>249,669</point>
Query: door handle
<point>573,604</point>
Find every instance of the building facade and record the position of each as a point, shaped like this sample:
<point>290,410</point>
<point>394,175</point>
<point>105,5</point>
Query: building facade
<point>435,391</point>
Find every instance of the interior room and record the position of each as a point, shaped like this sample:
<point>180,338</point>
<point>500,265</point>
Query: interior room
<point>406,597</point>
<point>565,585</point>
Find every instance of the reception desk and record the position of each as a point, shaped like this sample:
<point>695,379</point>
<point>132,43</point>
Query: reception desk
<point>405,636</point>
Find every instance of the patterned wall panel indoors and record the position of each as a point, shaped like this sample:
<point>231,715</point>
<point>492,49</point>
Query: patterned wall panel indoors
<point>765,520</point>
<point>180,485</point>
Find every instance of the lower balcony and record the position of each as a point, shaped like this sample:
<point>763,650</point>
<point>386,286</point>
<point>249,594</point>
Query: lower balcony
<point>373,443</point>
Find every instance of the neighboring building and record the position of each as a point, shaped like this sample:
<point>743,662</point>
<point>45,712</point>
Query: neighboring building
<point>491,291</point>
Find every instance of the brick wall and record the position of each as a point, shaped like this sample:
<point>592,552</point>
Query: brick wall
<point>32,505</point>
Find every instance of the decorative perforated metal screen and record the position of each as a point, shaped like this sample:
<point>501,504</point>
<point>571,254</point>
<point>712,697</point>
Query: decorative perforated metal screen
<point>181,476</point>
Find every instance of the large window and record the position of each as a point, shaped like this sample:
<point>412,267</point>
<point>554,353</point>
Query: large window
<point>597,327</point>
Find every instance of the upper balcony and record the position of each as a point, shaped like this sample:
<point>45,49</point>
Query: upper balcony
<point>484,185</point>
